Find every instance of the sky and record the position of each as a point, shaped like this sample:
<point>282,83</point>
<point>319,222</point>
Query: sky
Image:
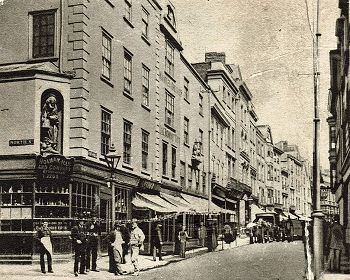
<point>271,41</point>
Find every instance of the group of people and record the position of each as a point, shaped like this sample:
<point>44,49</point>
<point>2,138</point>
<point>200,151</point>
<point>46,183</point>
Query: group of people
<point>85,240</point>
<point>123,242</point>
<point>266,232</point>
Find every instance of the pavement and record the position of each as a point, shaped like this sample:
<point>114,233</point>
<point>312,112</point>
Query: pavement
<point>64,270</point>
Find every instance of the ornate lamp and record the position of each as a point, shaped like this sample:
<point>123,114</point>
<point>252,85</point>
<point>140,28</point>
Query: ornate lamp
<point>112,158</point>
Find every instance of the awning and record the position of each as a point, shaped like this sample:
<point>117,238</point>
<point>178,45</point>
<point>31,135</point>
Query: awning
<point>255,209</point>
<point>182,204</point>
<point>153,202</point>
<point>200,205</point>
<point>303,218</point>
<point>141,203</point>
<point>292,216</point>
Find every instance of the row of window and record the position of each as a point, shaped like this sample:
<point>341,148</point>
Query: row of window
<point>127,136</point>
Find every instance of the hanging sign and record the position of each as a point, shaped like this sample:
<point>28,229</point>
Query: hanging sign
<point>54,167</point>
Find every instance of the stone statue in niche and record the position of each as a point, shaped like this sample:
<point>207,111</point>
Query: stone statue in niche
<point>49,125</point>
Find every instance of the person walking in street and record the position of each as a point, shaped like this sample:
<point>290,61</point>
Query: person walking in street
<point>79,240</point>
<point>183,236</point>
<point>45,246</point>
<point>157,242</point>
<point>289,229</point>
<point>126,237</point>
<point>202,234</point>
<point>115,242</point>
<point>94,232</point>
<point>136,244</point>
<point>336,244</point>
<point>228,235</point>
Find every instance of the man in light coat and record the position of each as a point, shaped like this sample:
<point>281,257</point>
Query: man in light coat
<point>136,244</point>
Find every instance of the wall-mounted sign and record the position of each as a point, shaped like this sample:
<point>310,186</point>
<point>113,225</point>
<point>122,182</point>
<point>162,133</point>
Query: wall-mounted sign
<point>54,167</point>
<point>148,185</point>
<point>92,154</point>
<point>21,142</point>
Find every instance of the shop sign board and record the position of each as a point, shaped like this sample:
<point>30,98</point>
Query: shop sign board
<point>54,167</point>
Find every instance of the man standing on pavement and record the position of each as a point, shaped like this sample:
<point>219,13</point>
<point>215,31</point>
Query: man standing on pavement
<point>157,242</point>
<point>93,231</point>
<point>79,241</point>
<point>202,234</point>
<point>136,243</point>
<point>183,236</point>
<point>336,244</point>
<point>116,242</point>
<point>44,236</point>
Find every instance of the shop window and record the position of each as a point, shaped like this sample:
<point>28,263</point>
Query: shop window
<point>121,203</point>
<point>84,200</point>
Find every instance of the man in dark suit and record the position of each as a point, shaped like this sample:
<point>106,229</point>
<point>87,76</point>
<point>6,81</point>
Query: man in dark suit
<point>157,242</point>
<point>79,240</point>
<point>93,232</point>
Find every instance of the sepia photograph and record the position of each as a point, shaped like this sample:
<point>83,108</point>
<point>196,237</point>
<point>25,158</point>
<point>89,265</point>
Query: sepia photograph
<point>174,139</point>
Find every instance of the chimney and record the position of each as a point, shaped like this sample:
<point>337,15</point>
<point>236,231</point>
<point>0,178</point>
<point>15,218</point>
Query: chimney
<point>215,57</point>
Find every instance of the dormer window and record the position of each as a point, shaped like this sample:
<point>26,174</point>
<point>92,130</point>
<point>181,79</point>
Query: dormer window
<point>171,16</point>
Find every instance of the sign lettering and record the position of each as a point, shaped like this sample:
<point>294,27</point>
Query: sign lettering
<point>54,167</point>
<point>21,142</point>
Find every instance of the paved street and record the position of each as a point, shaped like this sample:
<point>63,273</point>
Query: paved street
<point>282,261</point>
<point>272,261</point>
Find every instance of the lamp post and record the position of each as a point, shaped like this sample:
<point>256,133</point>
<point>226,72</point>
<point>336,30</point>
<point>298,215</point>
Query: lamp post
<point>317,215</point>
<point>112,159</point>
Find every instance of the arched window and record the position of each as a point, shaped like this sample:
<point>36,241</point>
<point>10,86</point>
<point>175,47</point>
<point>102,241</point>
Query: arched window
<point>51,122</point>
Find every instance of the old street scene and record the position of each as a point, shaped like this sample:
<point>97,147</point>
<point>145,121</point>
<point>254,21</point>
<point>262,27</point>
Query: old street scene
<point>162,139</point>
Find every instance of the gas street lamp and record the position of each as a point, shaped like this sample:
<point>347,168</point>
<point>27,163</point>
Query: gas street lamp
<point>112,158</point>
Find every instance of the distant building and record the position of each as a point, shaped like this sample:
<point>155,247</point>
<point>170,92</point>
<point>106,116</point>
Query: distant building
<point>328,203</point>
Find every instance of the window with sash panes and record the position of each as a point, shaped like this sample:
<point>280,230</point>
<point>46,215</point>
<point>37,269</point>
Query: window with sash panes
<point>165,158</point>
<point>145,85</point>
<point>145,136</point>
<point>201,140</point>
<point>105,131</point>
<point>43,34</point>
<point>169,59</point>
<point>186,131</point>
<point>189,176</point>
<point>127,142</point>
<point>145,19</point>
<point>127,72</point>
<point>196,175</point>
<point>173,162</point>
<point>128,10</point>
<point>169,109</point>
<point>106,56</point>
<point>182,174</point>
<point>201,104</point>
<point>186,86</point>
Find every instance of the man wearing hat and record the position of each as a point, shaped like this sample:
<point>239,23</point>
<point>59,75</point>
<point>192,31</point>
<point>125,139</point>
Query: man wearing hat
<point>157,241</point>
<point>44,236</point>
<point>136,243</point>
<point>93,231</point>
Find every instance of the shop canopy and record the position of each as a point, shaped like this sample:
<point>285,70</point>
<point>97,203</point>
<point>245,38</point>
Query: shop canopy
<point>153,202</point>
<point>292,216</point>
<point>178,201</point>
<point>139,202</point>
<point>200,205</point>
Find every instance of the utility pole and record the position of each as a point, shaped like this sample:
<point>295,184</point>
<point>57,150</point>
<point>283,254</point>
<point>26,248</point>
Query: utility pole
<point>317,215</point>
